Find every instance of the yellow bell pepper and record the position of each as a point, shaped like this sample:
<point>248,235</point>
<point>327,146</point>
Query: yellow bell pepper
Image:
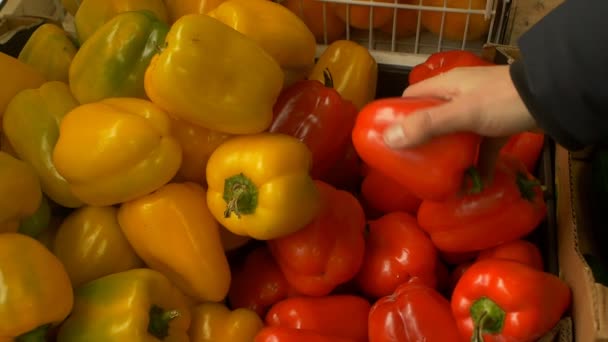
<point>214,322</point>
<point>139,305</point>
<point>92,14</point>
<point>276,29</point>
<point>174,233</point>
<point>260,185</point>
<point>36,224</point>
<point>211,75</point>
<point>179,8</point>
<point>35,291</point>
<point>116,150</point>
<point>21,76</point>
<point>31,124</point>
<point>71,6</point>
<point>20,192</point>
<point>231,241</point>
<point>49,50</point>
<point>354,71</point>
<point>91,245</point>
<point>197,145</point>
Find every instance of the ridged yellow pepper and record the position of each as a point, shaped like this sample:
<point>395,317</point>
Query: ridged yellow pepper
<point>139,305</point>
<point>215,77</point>
<point>112,62</point>
<point>91,245</point>
<point>353,69</point>
<point>214,322</point>
<point>20,192</point>
<point>36,224</point>
<point>179,8</point>
<point>31,125</point>
<point>93,14</point>
<point>35,291</point>
<point>116,150</point>
<point>21,76</point>
<point>49,50</point>
<point>197,145</point>
<point>260,185</point>
<point>276,29</point>
<point>174,233</point>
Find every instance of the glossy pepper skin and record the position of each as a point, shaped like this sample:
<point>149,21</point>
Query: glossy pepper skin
<point>335,315</point>
<point>179,8</point>
<point>223,90</point>
<point>20,178</point>
<point>22,76</point>
<point>258,282</point>
<point>507,209</point>
<point>328,251</point>
<point>434,170</point>
<point>519,250</point>
<point>396,250</point>
<point>354,71</point>
<point>36,290</point>
<point>385,195</point>
<point>444,61</point>
<point>49,50</point>
<point>504,300</point>
<point>192,251</point>
<point>214,322</point>
<point>93,14</point>
<point>90,243</point>
<point>113,61</point>
<point>414,312</point>
<point>282,334</point>
<point>136,305</point>
<point>116,150</point>
<point>31,125</point>
<point>316,114</point>
<point>259,185</point>
<point>525,146</point>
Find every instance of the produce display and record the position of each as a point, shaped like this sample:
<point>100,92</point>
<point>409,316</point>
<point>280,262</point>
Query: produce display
<point>190,172</point>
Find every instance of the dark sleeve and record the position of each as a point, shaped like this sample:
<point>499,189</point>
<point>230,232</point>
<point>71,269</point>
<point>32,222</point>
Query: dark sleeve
<point>562,75</point>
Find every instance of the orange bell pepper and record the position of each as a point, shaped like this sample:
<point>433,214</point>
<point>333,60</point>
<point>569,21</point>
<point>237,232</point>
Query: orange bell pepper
<point>214,322</point>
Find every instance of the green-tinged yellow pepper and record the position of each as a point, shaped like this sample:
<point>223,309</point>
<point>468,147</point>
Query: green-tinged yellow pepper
<point>49,50</point>
<point>353,69</point>
<point>174,233</point>
<point>260,185</point>
<point>116,150</point>
<point>93,14</point>
<point>35,291</point>
<point>214,322</point>
<point>91,245</point>
<point>276,29</point>
<point>20,192</point>
<point>112,62</point>
<point>213,76</point>
<point>37,223</point>
<point>20,76</point>
<point>139,305</point>
<point>31,125</point>
<point>197,145</point>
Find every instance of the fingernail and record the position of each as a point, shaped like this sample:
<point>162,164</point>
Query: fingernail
<point>394,136</point>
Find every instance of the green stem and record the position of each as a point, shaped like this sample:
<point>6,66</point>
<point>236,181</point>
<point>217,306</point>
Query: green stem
<point>526,186</point>
<point>487,317</point>
<point>477,184</point>
<point>158,325</point>
<point>328,80</point>
<point>240,195</point>
<point>37,335</point>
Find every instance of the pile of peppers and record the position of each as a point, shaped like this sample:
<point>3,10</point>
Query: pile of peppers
<point>189,171</point>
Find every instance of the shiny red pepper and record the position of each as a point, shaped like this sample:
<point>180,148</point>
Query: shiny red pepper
<point>519,250</point>
<point>384,195</point>
<point>316,114</point>
<point>505,210</point>
<point>329,250</point>
<point>525,146</point>
<point>282,334</point>
<point>441,62</point>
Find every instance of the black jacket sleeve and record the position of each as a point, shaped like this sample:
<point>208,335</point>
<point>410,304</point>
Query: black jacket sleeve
<point>562,75</point>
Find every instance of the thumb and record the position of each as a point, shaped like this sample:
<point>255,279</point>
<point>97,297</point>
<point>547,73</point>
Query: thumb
<point>419,127</point>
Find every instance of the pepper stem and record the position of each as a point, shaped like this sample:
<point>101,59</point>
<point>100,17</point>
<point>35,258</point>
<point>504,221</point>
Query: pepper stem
<point>240,195</point>
<point>487,317</point>
<point>477,184</point>
<point>37,335</point>
<point>158,325</point>
<point>328,80</point>
<point>526,186</point>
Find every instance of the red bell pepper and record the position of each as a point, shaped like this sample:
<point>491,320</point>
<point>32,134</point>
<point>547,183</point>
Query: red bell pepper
<point>316,114</point>
<point>329,250</point>
<point>282,334</point>
<point>519,250</point>
<point>384,195</point>
<point>345,174</point>
<point>413,313</point>
<point>525,146</point>
<point>336,315</point>
<point>397,249</point>
<point>434,170</point>
<point>504,300</point>
<point>441,62</point>
<point>456,274</point>
<point>258,283</point>
<point>507,209</point>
